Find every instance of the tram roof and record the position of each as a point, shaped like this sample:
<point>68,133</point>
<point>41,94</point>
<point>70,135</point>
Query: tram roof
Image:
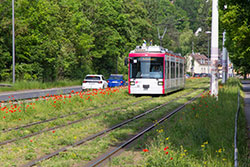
<point>153,49</point>
<point>149,49</point>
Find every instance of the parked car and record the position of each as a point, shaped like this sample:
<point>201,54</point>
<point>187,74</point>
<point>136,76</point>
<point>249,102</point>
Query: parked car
<point>94,82</point>
<point>116,80</point>
<point>187,76</point>
<point>203,75</point>
<point>196,75</point>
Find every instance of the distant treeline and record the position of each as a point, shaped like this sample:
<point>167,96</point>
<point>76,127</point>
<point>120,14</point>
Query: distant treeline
<point>67,39</point>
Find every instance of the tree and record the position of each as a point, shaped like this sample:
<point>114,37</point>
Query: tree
<point>235,20</point>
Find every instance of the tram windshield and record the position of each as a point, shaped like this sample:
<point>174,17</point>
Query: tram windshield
<point>146,67</point>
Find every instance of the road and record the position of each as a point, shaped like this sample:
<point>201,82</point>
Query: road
<point>28,94</point>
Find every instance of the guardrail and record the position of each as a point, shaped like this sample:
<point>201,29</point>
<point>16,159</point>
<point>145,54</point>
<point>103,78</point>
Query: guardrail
<point>5,85</point>
<point>235,132</point>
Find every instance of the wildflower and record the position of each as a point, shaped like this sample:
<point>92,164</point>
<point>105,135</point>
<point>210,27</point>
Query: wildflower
<point>166,138</point>
<point>206,142</point>
<point>53,131</point>
<point>224,159</point>
<point>145,150</point>
<point>185,150</point>
<point>3,117</point>
<point>171,158</point>
<point>166,153</point>
<point>203,145</point>
<point>75,137</point>
<point>31,140</point>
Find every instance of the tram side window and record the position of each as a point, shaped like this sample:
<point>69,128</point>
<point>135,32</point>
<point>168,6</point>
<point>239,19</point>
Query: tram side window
<point>167,69</point>
<point>172,69</point>
<point>181,70</point>
<point>177,70</point>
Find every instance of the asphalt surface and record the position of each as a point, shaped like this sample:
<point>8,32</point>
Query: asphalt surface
<point>29,94</point>
<point>246,89</point>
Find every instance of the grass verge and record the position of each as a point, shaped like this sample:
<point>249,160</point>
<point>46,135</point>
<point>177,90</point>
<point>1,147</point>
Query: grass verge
<point>201,135</point>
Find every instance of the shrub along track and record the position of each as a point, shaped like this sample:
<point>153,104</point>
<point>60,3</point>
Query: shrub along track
<point>63,125</point>
<point>91,137</point>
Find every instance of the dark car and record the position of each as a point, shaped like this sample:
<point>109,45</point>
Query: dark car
<point>203,75</point>
<point>196,75</point>
<point>116,80</point>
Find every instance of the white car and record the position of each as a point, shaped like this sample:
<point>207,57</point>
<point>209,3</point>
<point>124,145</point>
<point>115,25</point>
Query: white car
<point>94,82</point>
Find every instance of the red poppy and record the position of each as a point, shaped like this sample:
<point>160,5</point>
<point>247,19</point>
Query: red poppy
<point>31,140</point>
<point>171,158</point>
<point>53,131</point>
<point>145,150</point>
<point>166,153</point>
<point>165,148</point>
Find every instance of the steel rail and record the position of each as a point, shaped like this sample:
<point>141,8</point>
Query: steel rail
<point>141,133</point>
<point>63,125</point>
<point>33,162</point>
<point>52,119</point>
<point>235,132</point>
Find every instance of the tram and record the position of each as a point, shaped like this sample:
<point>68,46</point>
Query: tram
<point>154,70</point>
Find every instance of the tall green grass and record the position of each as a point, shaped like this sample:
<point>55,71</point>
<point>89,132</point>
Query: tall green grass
<point>201,135</point>
<point>25,85</point>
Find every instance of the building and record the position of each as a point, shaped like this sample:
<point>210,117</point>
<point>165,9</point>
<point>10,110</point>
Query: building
<point>197,63</point>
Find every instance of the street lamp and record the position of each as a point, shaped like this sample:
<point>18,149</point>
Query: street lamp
<point>208,32</point>
<point>13,41</point>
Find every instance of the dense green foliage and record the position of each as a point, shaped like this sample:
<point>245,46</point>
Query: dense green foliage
<point>235,20</point>
<point>67,39</point>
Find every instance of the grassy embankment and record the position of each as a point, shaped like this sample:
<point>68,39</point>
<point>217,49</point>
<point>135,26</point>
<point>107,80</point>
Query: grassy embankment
<point>25,85</point>
<point>201,135</point>
<point>22,151</point>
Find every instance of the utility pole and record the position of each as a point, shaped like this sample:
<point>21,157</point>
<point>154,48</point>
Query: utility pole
<point>214,49</point>
<point>161,36</point>
<point>208,56</point>
<point>13,41</point>
<point>224,60</point>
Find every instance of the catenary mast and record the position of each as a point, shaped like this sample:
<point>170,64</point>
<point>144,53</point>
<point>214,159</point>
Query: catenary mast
<point>214,49</point>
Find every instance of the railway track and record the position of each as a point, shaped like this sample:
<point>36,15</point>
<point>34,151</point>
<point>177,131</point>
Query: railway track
<point>108,155</point>
<point>63,125</point>
<point>91,137</point>
<point>52,119</point>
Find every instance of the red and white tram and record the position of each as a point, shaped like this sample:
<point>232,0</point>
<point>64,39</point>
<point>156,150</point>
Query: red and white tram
<point>154,70</point>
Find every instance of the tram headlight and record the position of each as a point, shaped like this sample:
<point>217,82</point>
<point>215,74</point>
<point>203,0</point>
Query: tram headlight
<point>132,83</point>
<point>160,83</point>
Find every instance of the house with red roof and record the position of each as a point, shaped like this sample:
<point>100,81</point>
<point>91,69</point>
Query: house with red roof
<point>197,63</point>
